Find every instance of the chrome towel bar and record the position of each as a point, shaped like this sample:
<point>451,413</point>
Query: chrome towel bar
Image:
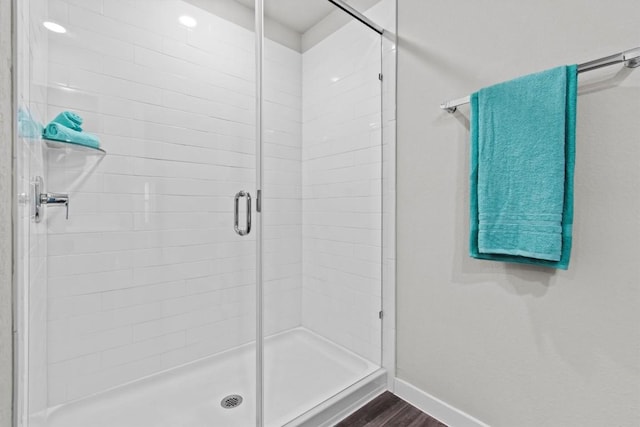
<point>631,59</point>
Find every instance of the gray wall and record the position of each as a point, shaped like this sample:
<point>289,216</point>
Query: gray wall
<point>515,345</point>
<point>5,213</point>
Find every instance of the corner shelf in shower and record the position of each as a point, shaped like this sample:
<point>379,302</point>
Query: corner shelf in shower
<point>66,148</point>
<point>71,162</point>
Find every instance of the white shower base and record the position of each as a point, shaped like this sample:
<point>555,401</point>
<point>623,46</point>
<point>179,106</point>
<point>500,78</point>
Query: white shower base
<point>302,370</point>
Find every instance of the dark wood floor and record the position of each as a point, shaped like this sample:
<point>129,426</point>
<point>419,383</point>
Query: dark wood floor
<point>388,410</point>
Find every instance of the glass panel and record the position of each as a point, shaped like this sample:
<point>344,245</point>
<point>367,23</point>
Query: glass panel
<point>322,205</point>
<point>143,306</point>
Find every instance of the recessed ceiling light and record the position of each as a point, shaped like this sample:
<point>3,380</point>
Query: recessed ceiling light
<point>56,28</point>
<point>188,21</point>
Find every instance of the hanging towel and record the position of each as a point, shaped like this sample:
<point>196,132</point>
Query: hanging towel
<point>58,132</point>
<point>70,120</point>
<point>522,163</point>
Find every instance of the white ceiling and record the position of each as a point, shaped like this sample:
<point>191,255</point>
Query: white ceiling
<point>291,23</point>
<point>299,15</point>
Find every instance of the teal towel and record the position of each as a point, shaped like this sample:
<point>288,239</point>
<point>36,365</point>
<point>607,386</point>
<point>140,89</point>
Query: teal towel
<point>70,120</point>
<point>58,132</point>
<point>522,163</point>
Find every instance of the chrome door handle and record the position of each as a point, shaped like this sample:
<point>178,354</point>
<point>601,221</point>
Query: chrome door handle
<point>236,213</point>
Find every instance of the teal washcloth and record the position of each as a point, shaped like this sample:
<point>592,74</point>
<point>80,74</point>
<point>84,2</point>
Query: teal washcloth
<point>70,120</point>
<point>522,163</point>
<point>58,132</point>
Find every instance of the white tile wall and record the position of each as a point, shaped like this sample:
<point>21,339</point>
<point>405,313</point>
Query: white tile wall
<point>147,273</point>
<point>282,203</point>
<point>342,189</point>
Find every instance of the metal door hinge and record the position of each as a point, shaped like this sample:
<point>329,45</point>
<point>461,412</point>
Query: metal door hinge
<point>380,76</point>
<point>259,201</point>
<point>380,314</point>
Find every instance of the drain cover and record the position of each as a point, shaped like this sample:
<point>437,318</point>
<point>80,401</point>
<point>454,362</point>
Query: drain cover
<point>231,401</point>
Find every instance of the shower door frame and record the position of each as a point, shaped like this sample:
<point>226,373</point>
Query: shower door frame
<point>259,44</point>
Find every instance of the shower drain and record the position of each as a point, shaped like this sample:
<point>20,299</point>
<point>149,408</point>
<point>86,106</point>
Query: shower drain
<point>231,401</point>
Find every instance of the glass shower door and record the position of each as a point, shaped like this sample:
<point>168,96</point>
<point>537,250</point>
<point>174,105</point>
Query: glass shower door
<point>321,161</point>
<point>166,298</point>
<point>142,308</point>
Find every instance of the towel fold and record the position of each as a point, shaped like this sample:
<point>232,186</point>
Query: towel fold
<point>70,120</point>
<point>58,132</point>
<point>522,163</point>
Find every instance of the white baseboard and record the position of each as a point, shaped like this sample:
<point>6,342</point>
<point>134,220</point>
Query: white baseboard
<point>435,407</point>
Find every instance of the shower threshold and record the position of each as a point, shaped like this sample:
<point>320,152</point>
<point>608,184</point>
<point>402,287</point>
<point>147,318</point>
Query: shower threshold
<point>309,380</point>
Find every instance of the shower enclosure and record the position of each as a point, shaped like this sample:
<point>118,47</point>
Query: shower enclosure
<point>227,252</point>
